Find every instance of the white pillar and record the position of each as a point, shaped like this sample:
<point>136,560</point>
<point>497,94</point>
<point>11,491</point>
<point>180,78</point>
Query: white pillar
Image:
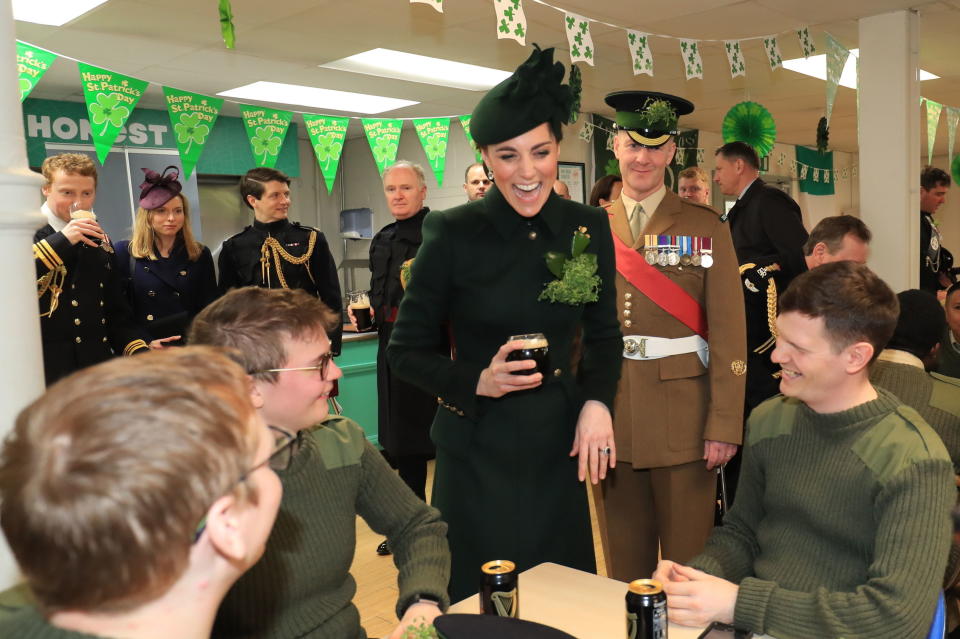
<point>889,135</point>
<point>21,361</point>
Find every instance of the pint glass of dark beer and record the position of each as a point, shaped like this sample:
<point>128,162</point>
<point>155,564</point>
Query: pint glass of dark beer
<point>535,347</point>
<point>360,306</point>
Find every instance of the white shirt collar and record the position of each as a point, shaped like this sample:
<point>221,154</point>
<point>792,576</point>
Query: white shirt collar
<point>900,357</point>
<point>747,187</point>
<point>52,218</point>
<point>649,204</point>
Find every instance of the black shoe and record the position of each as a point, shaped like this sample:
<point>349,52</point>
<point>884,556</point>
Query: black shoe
<point>383,549</point>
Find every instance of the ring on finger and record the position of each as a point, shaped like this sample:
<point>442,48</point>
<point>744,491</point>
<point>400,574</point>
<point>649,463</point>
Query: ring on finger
<point>605,450</point>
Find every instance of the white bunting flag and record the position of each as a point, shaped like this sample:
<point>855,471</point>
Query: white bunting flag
<point>692,62</point>
<point>511,22</point>
<point>639,45</point>
<point>734,58</point>
<point>773,52</point>
<point>578,38</point>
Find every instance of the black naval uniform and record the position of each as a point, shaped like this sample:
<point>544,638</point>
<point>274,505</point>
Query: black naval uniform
<point>84,317</point>
<point>934,258</point>
<point>767,228</point>
<point>405,411</point>
<point>240,264</point>
<point>166,293</point>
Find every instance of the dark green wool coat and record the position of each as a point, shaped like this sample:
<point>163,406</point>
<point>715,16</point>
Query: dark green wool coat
<point>505,482</point>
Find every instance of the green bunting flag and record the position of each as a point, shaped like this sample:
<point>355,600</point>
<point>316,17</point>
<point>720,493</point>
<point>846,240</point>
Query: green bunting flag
<point>111,98</point>
<point>836,59</point>
<point>384,139</point>
<point>933,119</point>
<point>266,129</point>
<point>32,63</point>
<point>433,133</point>
<point>953,116</point>
<point>326,135</point>
<point>192,116</point>
<point>465,123</point>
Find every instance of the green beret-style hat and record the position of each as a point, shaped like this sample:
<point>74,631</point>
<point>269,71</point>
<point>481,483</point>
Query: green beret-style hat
<point>649,118</point>
<point>534,94</point>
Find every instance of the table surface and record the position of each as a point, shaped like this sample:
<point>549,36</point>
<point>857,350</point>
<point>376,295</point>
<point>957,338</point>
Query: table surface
<point>584,605</point>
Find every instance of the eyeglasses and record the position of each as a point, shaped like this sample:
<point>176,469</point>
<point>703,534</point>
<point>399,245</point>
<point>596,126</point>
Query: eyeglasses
<point>285,446</point>
<point>320,368</point>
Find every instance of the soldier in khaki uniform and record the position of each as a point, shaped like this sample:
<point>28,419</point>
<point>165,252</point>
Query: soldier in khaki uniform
<point>679,406</point>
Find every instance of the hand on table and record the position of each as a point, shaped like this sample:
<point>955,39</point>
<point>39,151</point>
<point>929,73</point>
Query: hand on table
<point>497,379</point>
<point>594,436</point>
<point>696,598</point>
<point>416,614</point>
<point>717,453</point>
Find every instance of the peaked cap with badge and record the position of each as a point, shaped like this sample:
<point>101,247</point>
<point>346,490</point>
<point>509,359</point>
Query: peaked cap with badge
<point>648,117</point>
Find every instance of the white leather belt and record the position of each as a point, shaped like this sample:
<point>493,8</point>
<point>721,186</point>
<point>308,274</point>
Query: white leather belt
<point>645,347</point>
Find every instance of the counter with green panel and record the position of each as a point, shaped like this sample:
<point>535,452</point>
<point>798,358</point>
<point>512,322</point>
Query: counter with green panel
<point>358,387</point>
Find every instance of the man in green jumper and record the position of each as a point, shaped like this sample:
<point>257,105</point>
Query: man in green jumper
<point>302,587</point>
<point>841,524</point>
<point>912,351</point>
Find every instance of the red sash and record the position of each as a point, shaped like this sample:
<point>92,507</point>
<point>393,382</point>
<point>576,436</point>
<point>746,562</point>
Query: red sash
<point>661,290</point>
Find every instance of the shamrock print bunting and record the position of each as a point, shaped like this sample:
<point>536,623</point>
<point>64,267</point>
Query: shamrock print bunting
<point>383,136</point>
<point>773,52</point>
<point>640,55</point>
<point>806,42</point>
<point>433,133</point>
<point>578,38</point>
<point>111,98</point>
<point>327,134</point>
<point>32,63</point>
<point>511,21</point>
<point>192,116</point>
<point>734,58</point>
<point>692,62</point>
<point>266,129</point>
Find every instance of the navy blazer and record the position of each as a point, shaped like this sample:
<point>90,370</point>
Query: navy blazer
<point>168,292</point>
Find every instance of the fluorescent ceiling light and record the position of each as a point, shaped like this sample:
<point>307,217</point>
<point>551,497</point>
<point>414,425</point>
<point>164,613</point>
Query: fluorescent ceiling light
<point>316,98</point>
<point>387,63</point>
<point>52,12</point>
<point>816,66</point>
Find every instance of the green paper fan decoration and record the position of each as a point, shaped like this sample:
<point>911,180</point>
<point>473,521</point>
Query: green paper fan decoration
<point>955,169</point>
<point>751,123</point>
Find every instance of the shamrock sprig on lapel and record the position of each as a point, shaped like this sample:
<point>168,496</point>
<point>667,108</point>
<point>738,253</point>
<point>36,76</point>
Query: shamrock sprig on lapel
<point>577,280</point>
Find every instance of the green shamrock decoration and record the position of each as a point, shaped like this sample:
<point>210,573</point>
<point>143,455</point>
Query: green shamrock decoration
<point>190,129</point>
<point>106,110</point>
<point>265,142</point>
<point>327,148</point>
<point>384,151</point>
<point>436,147</point>
<point>508,13</point>
<point>570,22</point>
<point>632,37</point>
<point>25,86</point>
<point>504,27</point>
<point>519,30</point>
<point>577,282</point>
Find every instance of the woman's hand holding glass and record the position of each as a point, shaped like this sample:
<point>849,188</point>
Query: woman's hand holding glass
<point>498,379</point>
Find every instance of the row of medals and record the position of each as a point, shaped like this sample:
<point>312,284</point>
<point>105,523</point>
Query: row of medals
<point>671,250</point>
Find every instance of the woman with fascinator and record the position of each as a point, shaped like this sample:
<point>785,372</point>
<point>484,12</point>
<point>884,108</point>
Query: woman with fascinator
<point>513,445</point>
<point>169,276</point>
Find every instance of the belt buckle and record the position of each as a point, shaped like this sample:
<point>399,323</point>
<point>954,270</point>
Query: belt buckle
<point>634,346</point>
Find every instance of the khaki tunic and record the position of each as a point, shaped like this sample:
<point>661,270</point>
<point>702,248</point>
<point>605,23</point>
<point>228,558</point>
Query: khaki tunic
<point>666,408</point>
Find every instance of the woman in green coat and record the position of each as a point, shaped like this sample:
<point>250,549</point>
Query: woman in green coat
<point>513,449</point>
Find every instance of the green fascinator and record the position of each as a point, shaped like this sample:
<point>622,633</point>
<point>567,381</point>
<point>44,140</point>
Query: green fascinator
<point>534,94</point>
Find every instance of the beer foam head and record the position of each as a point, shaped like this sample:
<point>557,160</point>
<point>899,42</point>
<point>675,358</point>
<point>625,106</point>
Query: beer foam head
<point>83,215</point>
<point>534,342</point>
